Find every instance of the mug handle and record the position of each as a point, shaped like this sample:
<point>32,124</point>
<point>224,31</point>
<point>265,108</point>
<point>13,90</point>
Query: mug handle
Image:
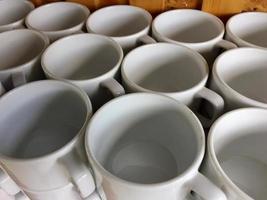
<point>2,89</point>
<point>215,100</point>
<point>113,86</point>
<point>206,189</point>
<point>18,79</point>
<point>81,175</point>
<point>10,187</point>
<point>93,196</point>
<point>146,39</point>
<point>226,45</point>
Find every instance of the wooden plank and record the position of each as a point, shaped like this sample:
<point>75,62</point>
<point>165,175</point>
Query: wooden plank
<point>95,4</point>
<point>227,8</point>
<point>158,6</point>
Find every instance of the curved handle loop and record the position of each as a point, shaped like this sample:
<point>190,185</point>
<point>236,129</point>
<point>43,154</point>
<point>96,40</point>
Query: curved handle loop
<point>10,187</point>
<point>81,175</point>
<point>226,45</point>
<point>2,89</point>
<point>206,189</point>
<point>113,86</point>
<point>217,103</point>
<point>18,79</point>
<point>146,39</point>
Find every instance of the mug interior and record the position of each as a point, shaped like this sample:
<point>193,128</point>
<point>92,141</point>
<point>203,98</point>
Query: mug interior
<point>250,27</point>
<point>57,16</point>
<point>152,141</point>
<point>244,70</point>
<point>49,116</point>
<point>119,21</point>
<point>81,57</point>
<point>24,44</point>
<point>188,26</point>
<point>240,149</point>
<point>12,11</point>
<point>164,68</point>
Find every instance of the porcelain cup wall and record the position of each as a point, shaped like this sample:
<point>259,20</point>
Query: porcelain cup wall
<point>240,77</point>
<point>236,158</point>
<point>148,146</point>
<point>58,20</point>
<point>88,60</point>
<point>248,29</point>
<point>172,70</point>
<point>128,25</point>
<point>42,135</point>
<point>20,54</point>
<point>196,29</point>
<point>13,13</point>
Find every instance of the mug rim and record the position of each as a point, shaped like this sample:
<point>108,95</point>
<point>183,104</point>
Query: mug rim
<point>41,36</point>
<point>235,37</point>
<point>31,6</point>
<point>71,142</point>
<point>145,12</point>
<point>230,91</point>
<point>139,88</point>
<point>193,167</point>
<point>193,44</point>
<point>83,8</point>
<point>211,151</point>
<point>70,37</point>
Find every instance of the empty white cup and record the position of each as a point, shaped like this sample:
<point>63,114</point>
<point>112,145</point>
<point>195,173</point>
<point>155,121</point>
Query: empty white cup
<point>172,70</point>
<point>88,60</point>
<point>236,157</point>
<point>240,77</point>
<point>196,29</point>
<point>58,20</point>
<point>13,13</point>
<point>20,54</point>
<point>248,29</point>
<point>128,25</point>
<point>42,134</point>
<point>148,146</point>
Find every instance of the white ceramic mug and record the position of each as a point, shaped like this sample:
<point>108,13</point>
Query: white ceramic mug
<point>88,60</point>
<point>9,190</point>
<point>173,70</point>
<point>128,25</point>
<point>13,13</point>
<point>42,137</point>
<point>196,29</point>
<point>148,146</point>
<point>248,29</point>
<point>236,158</point>
<point>58,20</point>
<point>20,54</point>
<point>240,77</point>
